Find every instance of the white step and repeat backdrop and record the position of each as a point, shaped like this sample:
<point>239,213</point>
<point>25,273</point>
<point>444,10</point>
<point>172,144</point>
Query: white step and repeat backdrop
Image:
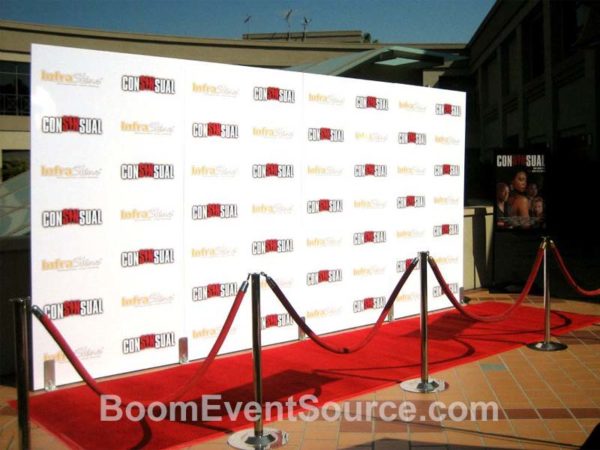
<point>159,184</point>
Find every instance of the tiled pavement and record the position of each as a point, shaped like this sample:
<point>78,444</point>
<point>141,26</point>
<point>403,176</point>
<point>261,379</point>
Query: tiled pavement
<point>547,400</point>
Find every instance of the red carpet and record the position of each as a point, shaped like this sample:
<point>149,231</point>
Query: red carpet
<point>293,370</point>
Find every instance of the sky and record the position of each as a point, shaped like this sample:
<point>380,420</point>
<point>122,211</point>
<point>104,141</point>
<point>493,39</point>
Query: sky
<point>398,21</point>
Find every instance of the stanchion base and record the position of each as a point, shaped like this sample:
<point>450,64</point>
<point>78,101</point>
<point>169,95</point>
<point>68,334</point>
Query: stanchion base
<point>423,387</point>
<point>547,346</point>
<point>246,440</point>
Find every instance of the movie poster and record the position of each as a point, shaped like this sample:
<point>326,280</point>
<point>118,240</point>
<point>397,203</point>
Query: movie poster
<point>521,178</point>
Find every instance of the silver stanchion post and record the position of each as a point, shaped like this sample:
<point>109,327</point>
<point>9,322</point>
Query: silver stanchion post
<point>424,384</point>
<point>547,345</point>
<point>21,310</point>
<point>259,437</point>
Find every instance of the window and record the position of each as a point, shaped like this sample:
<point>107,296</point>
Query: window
<point>14,88</point>
<point>489,81</point>
<point>533,45</point>
<point>572,17</point>
<point>510,75</point>
<point>511,141</point>
<point>14,162</point>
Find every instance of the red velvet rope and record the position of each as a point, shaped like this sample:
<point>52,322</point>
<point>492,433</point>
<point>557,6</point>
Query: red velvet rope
<point>568,276</point>
<point>318,340</point>
<point>96,387</point>
<point>534,271</point>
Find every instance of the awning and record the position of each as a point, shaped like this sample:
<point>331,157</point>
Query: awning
<point>395,56</point>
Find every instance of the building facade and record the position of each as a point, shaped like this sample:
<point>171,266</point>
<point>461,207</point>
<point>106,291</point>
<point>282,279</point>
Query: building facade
<point>535,76</point>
